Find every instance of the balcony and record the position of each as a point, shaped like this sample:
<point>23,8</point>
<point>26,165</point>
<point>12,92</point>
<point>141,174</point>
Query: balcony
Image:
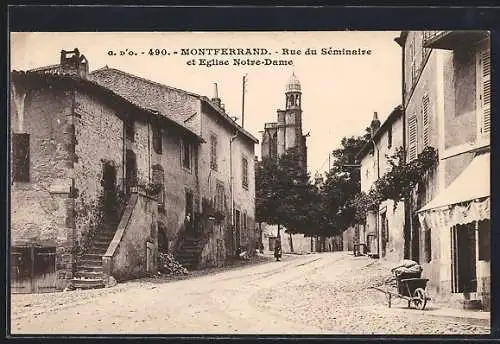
<point>450,40</point>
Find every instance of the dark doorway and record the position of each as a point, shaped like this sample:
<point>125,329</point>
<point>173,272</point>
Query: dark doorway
<point>237,227</point>
<point>464,258</point>
<point>109,189</point>
<point>384,236</point>
<point>130,171</point>
<point>415,239</point>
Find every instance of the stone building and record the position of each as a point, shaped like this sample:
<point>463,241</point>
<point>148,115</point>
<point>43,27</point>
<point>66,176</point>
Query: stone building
<point>286,133</point>
<point>446,99</point>
<point>383,232</point>
<point>107,166</point>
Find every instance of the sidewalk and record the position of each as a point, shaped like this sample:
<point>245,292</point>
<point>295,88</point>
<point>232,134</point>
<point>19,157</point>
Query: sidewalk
<point>478,318</point>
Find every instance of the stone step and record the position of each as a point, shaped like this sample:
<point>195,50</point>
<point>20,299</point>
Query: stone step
<point>93,283</point>
<point>89,274</point>
<point>91,261</point>
<point>100,251</point>
<point>89,268</point>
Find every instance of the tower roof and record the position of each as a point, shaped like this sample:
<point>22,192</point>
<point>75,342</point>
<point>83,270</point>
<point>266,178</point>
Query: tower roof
<point>293,84</point>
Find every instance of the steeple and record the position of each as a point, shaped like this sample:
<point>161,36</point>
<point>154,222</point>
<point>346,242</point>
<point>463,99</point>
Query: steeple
<point>293,93</point>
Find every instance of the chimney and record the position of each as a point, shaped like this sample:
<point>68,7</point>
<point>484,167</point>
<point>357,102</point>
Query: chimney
<point>74,63</point>
<point>216,98</point>
<point>375,124</point>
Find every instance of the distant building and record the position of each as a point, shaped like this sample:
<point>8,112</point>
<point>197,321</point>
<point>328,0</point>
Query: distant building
<point>383,232</point>
<point>446,98</point>
<point>286,133</point>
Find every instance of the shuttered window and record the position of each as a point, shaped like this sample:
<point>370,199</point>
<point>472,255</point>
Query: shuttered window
<point>213,152</point>
<point>244,173</point>
<point>412,138</point>
<point>425,119</point>
<point>484,87</point>
<point>157,144</point>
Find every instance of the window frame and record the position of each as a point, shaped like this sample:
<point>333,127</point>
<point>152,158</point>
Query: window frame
<point>213,152</point>
<point>244,172</point>
<point>157,138</point>
<point>186,147</point>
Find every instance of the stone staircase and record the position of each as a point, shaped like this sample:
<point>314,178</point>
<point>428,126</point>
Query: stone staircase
<point>89,269</point>
<point>189,252</point>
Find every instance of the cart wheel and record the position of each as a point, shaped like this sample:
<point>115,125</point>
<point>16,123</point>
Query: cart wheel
<point>419,298</point>
<point>389,297</point>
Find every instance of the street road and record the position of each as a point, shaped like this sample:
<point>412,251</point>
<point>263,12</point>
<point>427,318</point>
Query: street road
<point>311,294</point>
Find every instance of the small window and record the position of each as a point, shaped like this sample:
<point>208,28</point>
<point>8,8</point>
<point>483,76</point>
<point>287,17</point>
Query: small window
<point>244,171</point>
<point>213,152</point>
<point>21,157</point>
<point>186,154</point>
<point>157,144</point>
<point>129,130</point>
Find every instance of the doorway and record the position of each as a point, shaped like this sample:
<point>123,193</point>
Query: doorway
<point>464,279</point>
<point>237,230</point>
<point>109,193</point>
<point>130,171</point>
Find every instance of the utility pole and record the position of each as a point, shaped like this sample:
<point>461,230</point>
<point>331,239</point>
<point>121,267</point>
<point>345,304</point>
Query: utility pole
<point>243,100</point>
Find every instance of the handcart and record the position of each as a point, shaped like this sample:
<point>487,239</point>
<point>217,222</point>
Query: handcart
<point>409,287</point>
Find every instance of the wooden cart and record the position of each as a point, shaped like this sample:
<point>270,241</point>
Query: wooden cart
<point>410,289</point>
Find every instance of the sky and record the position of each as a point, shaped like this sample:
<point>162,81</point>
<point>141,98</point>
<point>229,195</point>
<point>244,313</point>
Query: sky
<point>340,93</point>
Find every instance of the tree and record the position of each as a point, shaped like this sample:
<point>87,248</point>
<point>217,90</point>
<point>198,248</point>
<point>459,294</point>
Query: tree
<point>284,195</point>
<point>342,184</point>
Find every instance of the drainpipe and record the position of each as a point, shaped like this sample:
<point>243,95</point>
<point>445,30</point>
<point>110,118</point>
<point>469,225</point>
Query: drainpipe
<point>377,213</point>
<point>231,176</point>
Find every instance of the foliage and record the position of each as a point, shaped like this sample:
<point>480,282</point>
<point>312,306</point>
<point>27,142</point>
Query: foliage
<point>398,183</point>
<point>283,192</point>
<point>106,209</point>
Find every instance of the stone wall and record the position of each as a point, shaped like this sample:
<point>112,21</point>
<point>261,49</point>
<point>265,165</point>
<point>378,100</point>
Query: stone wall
<point>127,255</point>
<point>41,208</point>
<point>99,140</point>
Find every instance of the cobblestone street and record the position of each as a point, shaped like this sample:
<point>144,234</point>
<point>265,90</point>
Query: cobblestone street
<point>311,294</point>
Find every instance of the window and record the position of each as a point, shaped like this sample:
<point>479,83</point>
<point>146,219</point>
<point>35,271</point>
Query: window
<point>244,220</point>
<point>129,130</point>
<point>389,137</point>
<point>21,157</point>
<point>186,154</point>
<point>213,152</point>
<point>219,196</point>
<point>157,144</point>
<point>484,92</point>
<point>244,171</point>
<point>425,119</point>
<point>412,138</point>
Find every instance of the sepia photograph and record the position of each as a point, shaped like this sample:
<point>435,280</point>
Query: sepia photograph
<point>264,183</point>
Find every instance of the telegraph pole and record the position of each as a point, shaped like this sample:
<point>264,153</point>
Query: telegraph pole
<point>243,100</point>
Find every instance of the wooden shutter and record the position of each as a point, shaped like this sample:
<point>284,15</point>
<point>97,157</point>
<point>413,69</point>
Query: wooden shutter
<point>484,85</point>
<point>412,138</point>
<point>213,152</point>
<point>425,117</point>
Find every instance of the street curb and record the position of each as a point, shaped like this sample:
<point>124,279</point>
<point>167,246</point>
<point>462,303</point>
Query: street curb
<point>477,321</point>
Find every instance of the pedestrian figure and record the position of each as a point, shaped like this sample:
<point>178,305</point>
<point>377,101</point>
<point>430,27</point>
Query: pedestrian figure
<point>277,249</point>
